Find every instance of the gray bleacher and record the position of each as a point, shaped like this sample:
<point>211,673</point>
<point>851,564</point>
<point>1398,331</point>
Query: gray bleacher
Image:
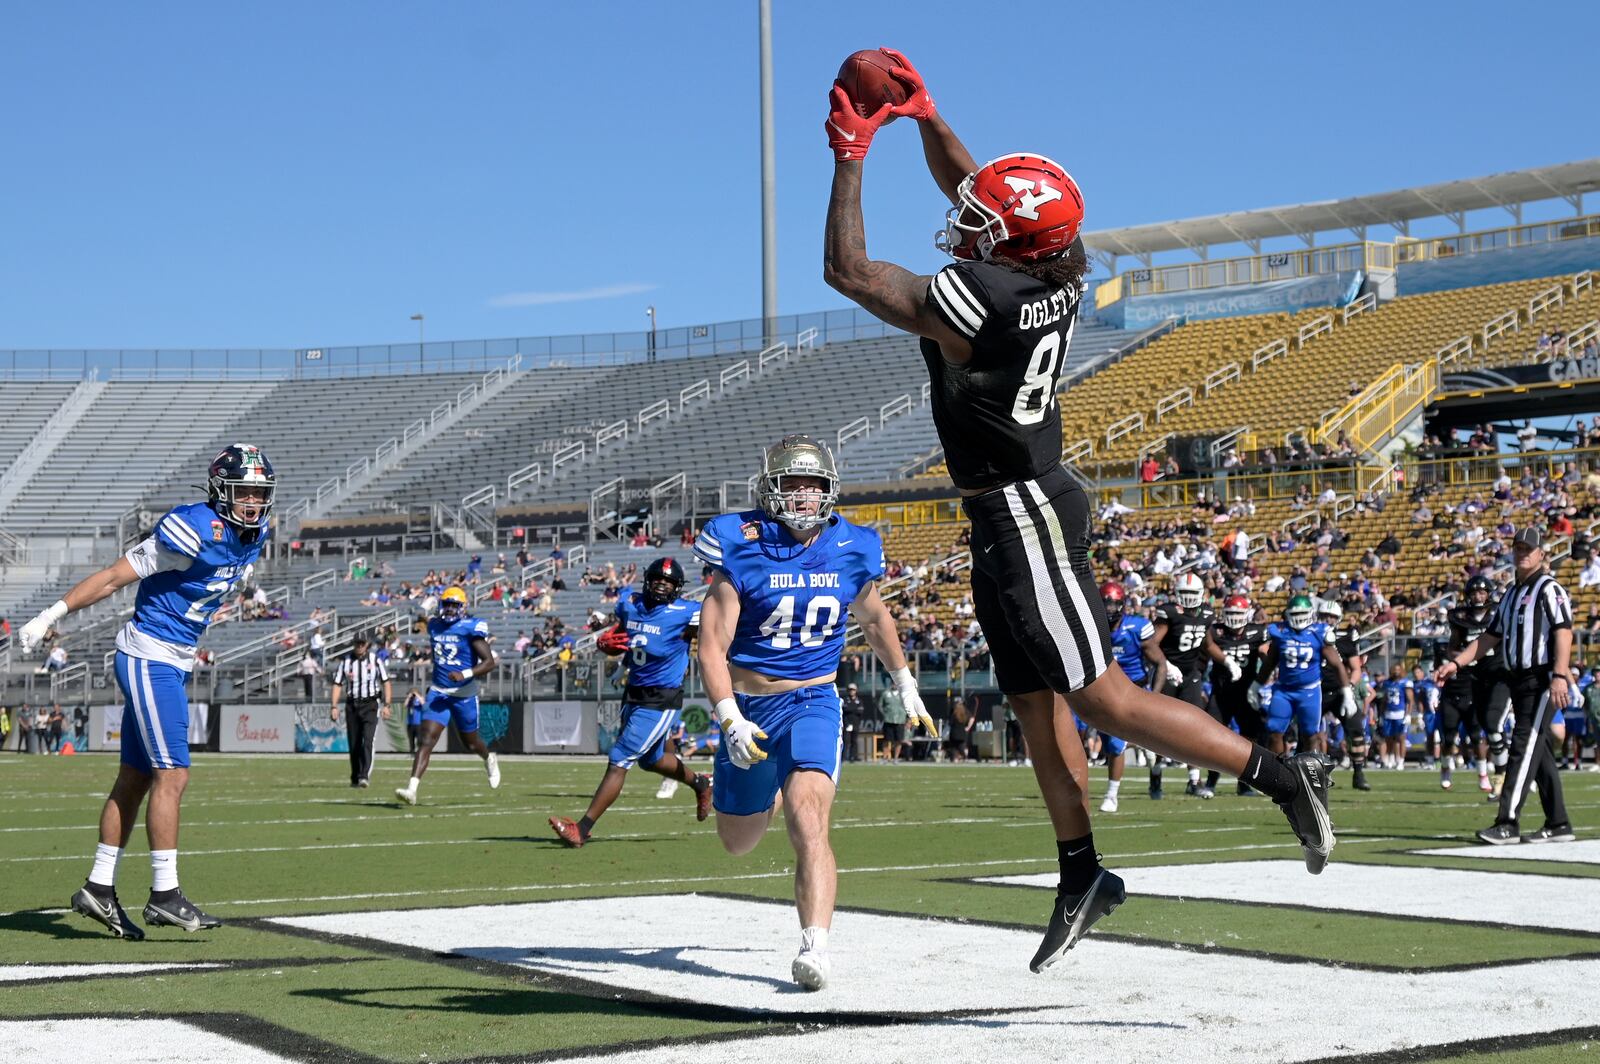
<point>28,406</point>
<point>136,433</point>
<point>313,430</point>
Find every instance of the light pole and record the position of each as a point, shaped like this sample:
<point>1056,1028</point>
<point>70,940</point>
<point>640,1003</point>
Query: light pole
<point>421,367</point>
<point>651,310</point>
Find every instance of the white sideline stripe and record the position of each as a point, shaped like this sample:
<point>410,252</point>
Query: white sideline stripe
<point>1559,902</point>
<point>125,1039</point>
<point>1584,851</point>
<point>1252,1008</point>
<point>11,973</point>
<point>957,866</point>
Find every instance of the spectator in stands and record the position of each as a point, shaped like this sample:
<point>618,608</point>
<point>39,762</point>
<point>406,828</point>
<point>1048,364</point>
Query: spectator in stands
<point>558,557</point>
<point>317,646</point>
<point>1590,576</point>
<point>1328,496</point>
<point>1526,436</point>
<point>1149,469</point>
<point>358,568</point>
<point>310,669</point>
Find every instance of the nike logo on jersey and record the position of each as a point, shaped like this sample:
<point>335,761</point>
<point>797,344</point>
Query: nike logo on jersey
<point>842,542</point>
<point>989,548</point>
<point>847,136</point>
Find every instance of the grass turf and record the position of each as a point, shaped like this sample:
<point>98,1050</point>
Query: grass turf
<point>276,836</point>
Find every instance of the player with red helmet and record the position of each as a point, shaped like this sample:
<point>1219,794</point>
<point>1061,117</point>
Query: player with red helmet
<point>1240,639</point>
<point>1133,640</point>
<point>995,325</point>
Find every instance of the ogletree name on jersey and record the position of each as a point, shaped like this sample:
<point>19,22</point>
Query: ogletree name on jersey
<point>1042,312</point>
<point>802,580</point>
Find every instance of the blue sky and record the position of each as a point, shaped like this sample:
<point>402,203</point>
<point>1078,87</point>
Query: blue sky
<point>308,174</point>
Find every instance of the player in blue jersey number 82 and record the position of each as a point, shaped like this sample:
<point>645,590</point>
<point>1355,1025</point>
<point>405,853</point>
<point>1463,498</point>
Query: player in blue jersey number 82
<point>772,632</point>
<point>461,654</point>
<point>187,566</point>
<point>653,632</point>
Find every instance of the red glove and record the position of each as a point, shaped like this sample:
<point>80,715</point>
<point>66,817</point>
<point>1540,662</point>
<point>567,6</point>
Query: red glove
<point>613,641</point>
<point>849,135</point>
<point>919,104</point>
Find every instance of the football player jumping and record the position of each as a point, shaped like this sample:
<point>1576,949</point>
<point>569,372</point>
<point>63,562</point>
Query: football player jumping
<point>771,636</point>
<point>654,631</point>
<point>461,654</point>
<point>186,567</point>
<point>996,325</point>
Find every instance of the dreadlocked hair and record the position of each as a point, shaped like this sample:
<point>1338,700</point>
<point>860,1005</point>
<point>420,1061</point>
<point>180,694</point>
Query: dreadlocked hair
<point>1065,270</point>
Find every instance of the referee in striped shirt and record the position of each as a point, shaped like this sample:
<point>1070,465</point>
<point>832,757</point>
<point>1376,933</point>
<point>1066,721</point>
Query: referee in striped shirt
<point>362,672</point>
<point>1532,626</point>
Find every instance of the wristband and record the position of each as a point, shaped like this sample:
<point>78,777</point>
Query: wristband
<point>57,611</point>
<point>902,679</point>
<point>727,711</point>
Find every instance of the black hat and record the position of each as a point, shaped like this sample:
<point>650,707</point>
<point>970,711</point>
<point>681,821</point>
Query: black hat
<point>1528,536</point>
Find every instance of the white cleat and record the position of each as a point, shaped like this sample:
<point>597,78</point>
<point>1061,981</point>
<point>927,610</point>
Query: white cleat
<point>406,795</point>
<point>668,788</point>
<point>810,968</point>
<point>1109,805</point>
<point>491,765</point>
<point>1444,783</point>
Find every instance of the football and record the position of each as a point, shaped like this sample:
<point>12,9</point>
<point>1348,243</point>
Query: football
<point>866,79</point>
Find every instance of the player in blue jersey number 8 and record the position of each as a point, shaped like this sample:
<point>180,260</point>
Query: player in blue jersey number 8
<point>772,630</point>
<point>184,569</point>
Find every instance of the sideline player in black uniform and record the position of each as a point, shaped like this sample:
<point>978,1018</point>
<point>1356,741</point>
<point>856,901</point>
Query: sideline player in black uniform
<point>1183,632</point>
<point>1345,638</point>
<point>1240,639</point>
<point>995,326</point>
<point>1469,699</point>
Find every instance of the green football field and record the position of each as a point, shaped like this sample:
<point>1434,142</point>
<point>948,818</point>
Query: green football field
<point>1445,956</point>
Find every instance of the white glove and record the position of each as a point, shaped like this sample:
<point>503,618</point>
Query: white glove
<point>1255,696</point>
<point>249,571</point>
<point>1174,675</point>
<point>739,735</point>
<point>34,631</point>
<point>1234,672</point>
<point>916,712</point>
<point>1347,695</point>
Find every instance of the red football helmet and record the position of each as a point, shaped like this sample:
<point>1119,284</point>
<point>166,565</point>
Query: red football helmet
<point>1236,612</point>
<point>1112,594</point>
<point>1019,206</point>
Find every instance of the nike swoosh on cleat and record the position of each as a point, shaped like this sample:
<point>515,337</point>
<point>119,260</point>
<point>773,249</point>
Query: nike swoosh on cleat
<point>842,133</point>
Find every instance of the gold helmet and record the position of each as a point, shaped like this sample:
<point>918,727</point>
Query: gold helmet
<point>798,456</point>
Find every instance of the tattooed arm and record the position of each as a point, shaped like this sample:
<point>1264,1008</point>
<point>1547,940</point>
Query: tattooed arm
<point>891,292</point>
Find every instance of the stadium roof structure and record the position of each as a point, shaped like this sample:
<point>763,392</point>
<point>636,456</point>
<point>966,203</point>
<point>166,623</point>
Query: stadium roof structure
<point>1398,209</point>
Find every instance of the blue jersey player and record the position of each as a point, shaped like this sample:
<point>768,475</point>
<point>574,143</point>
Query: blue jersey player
<point>1399,699</point>
<point>461,654</point>
<point>1297,648</point>
<point>186,567</point>
<point>653,633</point>
<point>1134,642</point>
<point>772,634</point>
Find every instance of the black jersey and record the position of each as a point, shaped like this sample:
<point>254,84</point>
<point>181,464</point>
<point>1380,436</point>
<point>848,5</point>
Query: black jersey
<point>1344,644</point>
<point>997,415</point>
<point>1467,623</point>
<point>1243,648</point>
<point>1186,635</point>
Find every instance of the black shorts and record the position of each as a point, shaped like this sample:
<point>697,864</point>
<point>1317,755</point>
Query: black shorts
<point>1192,690</point>
<point>1033,592</point>
<point>892,736</point>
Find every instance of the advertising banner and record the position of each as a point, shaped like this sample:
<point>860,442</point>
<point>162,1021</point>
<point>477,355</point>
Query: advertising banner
<point>256,728</point>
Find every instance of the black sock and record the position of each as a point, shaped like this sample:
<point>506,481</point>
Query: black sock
<point>585,826</point>
<point>1211,780</point>
<point>1267,774</point>
<point>1079,863</point>
<point>700,782</point>
<point>164,895</point>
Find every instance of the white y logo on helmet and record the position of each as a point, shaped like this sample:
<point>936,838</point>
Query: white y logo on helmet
<point>1031,201</point>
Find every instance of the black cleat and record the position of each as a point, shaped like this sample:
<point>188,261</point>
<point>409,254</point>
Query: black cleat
<point>1552,833</point>
<point>1308,811</point>
<point>1499,835</point>
<point>1074,914</point>
<point>178,911</point>
<point>1155,794</point>
<point>107,911</point>
<point>1192,788</point>
<point>1358,780</point>
<point>1247,791</point>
